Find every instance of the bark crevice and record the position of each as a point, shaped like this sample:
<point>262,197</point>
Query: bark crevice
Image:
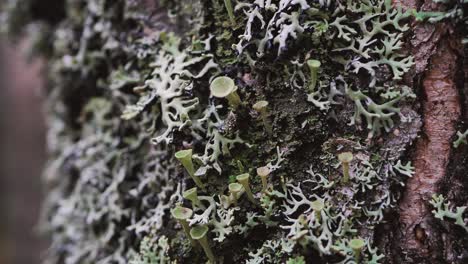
<point>441,112</point>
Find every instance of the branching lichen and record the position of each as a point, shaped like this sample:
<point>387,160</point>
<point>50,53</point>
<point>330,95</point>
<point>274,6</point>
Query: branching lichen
<point>170,78</point>
<point>461,139</point>
<point>443,210</point>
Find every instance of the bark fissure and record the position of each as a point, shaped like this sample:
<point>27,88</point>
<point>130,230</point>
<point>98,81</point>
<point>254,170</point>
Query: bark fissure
<point>441,111</point>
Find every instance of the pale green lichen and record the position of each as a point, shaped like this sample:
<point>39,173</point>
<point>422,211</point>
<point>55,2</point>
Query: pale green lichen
<point>263,173</point>
<point>461,139</point>
<point>152,251</point>
<point>199,233</point>
<point>454,11</point>
<point>270,252</point>
<point>222,223</point>
<point>224,87</point>
<point>262,108</point>
<point>217,144</point>
<point>377,116</point>
<point>282,26</point>
<point>296,260</point>
<point>170,78</point>
<point>370,255</point>
<point>443,209</point>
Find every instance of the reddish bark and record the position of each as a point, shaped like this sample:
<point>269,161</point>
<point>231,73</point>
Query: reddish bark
<point>441,112</point>
<point>434,53</point>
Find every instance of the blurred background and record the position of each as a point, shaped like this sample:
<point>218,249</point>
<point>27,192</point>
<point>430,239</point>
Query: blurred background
<point>22,154</point>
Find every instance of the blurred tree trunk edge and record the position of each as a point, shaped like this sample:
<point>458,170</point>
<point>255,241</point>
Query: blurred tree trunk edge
<point>21,155</point>
<point>227,131</point>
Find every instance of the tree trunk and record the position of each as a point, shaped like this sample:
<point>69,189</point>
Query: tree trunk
<point>346,119</point>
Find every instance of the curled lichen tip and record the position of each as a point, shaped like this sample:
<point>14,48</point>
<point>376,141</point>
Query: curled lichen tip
<point>185,157</point>
<point>263,171</point>
<point>181,213</point>
<point>243,178</point>
<point>183,154</point>
<point>235,187</point>
<point>260,106</point>
<point>222,86</point>
<point>313,64</point>
<point>357,244</point>
<point>345,157</point>
<point>192,195</point>
<point>198,232</point>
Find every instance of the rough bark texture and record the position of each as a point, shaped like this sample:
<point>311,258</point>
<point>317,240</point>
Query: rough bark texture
<point>441,114</point>
<point>437,53</point>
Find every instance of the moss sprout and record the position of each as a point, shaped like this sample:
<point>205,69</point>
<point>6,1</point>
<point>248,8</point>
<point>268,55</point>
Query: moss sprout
<point>357,244</point>
<point>345,158</point>
<point>224,87</point>
<point>262,108</point>
<point>185,157</point>
<point>199,233</point>
<point>234,190</point>
<point>264,172</point>
<point>182,214</point>
<point>314,66</point>
<point>244,180</point>
<point>192,195</point>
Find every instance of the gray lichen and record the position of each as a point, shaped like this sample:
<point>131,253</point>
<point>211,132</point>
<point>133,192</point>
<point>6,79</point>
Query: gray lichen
<point>442,210</point>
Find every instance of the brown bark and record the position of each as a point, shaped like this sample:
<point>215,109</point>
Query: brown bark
<point>435,52</point>
<point>441,112</point>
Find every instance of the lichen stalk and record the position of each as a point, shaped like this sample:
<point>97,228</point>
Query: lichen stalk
<point>230,11</point>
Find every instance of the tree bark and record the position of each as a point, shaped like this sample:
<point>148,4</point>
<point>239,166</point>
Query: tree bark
<point>439,57</point>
